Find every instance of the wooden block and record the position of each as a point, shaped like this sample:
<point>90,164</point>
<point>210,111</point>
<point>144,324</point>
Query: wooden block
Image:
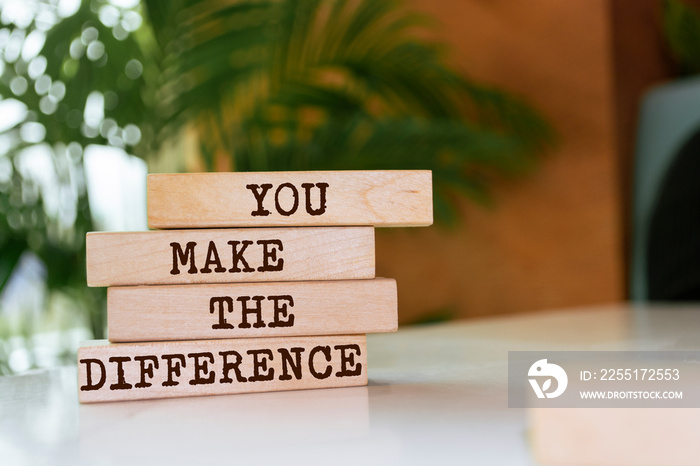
<point>245,310</point>
<point>210,200</point>
<point>229,255</point>
<point>133,371</point>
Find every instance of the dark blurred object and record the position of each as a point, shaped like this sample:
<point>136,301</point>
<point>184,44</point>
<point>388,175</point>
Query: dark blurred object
<point>673,269</point>
<point>669,117</point>
<point>666,248</point>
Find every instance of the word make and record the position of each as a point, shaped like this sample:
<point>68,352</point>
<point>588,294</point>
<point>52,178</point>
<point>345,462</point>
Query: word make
<point>267,253</point>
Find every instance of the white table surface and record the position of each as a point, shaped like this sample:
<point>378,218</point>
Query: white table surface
<point>437,395</point>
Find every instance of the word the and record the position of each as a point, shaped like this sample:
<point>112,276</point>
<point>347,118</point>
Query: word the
<point>279,308</point>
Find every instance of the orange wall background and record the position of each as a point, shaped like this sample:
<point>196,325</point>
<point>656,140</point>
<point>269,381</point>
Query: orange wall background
<point>554,237</point>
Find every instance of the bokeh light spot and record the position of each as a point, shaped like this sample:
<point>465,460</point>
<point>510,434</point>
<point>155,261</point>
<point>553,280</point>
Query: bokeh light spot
<point>18,85</point>
<point>32,132</point>
<point>133,69</point>
<point>95,50</point>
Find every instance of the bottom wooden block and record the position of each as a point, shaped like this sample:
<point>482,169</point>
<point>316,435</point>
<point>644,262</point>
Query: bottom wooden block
<point>134,371</point>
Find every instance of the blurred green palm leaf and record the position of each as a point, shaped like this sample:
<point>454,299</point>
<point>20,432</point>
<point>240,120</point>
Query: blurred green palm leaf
<point>265,85</point>
<point>300,85</point>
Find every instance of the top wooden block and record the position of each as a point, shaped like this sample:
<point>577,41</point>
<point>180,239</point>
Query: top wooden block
<point>321,198</point>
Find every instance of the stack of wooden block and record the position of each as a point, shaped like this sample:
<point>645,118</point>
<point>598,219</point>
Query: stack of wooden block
<point>208,305</point>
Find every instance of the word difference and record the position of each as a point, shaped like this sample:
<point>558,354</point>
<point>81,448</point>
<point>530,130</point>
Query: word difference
<point>222,367</point>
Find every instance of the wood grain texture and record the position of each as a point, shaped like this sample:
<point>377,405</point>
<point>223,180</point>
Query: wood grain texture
<point>211,200</point>
<point>133,371</point>
<point>190,312</point>
<point>229,255</point>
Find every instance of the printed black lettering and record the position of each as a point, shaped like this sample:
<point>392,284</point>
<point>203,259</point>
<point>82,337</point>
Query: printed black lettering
<point>183,256</point>
<point>326,350</point>
<point>212,259</point>
<point>88,372</point>
<point>288,362</point>
<point>257,310</point>
<point>259,196</point>
<point>321,198</point>
<point>271,255</point>
<point>229,366</point>
<point>280,309</point>
<point>175,363</point>
<point>146,370</point>
<point>238,256</point>
<point>260,365</point>
<point>295,197</point>
<point>201,368</point>
<point>347,360</point>
<point>121,382</point>
<point>225,305</point>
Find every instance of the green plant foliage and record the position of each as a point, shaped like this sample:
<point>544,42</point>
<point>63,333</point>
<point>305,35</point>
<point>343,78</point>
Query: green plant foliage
<point>80,57</point>
<point>266,84</point>
<point>338,84</point>
<point>681,24</point>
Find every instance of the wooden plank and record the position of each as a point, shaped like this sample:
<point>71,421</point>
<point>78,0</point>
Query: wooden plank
<point>246,310</point>
<point>229,255</point>
<point>133,371</point>
<point>320,198</point>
